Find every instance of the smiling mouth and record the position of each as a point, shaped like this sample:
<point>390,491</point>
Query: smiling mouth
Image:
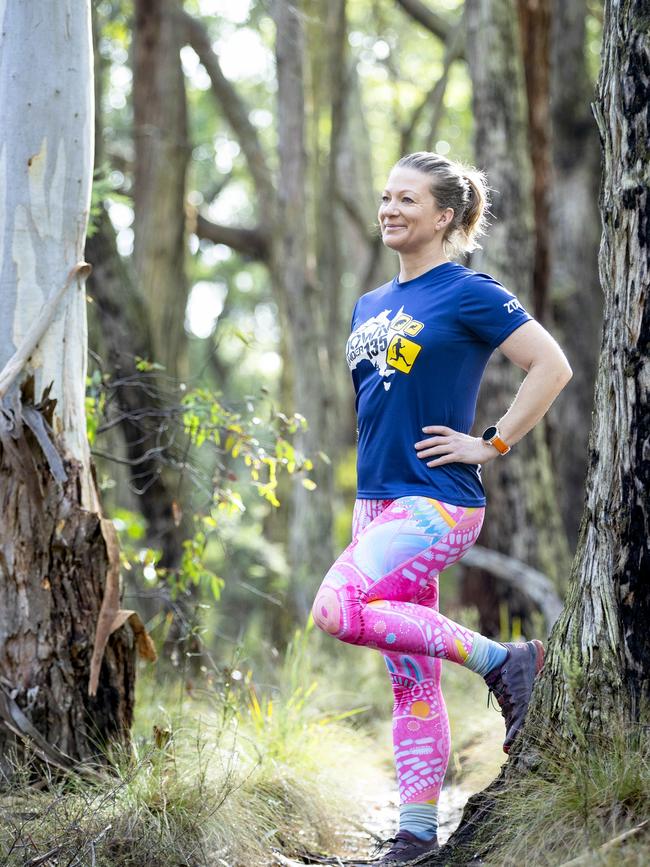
<point>386,228</point>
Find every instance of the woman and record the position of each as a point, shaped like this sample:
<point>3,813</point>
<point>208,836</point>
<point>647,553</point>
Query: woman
<point>418,349</point>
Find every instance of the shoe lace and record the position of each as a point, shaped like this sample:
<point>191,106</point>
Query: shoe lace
<point>499,691</point>
<point>379,846</point>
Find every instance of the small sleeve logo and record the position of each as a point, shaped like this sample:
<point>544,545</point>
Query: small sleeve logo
<point>513,305</point>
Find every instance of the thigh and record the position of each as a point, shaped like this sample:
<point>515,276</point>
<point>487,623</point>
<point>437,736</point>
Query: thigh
<point>412,540</point>
<point>364,512</point>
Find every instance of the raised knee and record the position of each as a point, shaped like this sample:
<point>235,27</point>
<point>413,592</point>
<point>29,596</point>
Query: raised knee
<point>326,610</point>
<point>332,615</point>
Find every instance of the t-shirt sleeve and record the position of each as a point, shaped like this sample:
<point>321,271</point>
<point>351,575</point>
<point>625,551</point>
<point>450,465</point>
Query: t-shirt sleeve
<point>354,313</point>
<point>489,311</point>
<point>354,373</point>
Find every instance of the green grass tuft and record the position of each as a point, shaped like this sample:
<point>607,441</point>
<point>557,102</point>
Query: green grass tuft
<point>578,806</point>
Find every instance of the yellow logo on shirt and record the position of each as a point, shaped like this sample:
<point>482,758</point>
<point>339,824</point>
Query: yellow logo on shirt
<point>405,323</point>
<point>402,353</point>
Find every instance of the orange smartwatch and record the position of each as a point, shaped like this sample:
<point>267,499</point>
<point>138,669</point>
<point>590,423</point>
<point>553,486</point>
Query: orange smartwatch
<point>491,435</point>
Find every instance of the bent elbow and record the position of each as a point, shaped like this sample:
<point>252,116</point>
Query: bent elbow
<point>562,376</point>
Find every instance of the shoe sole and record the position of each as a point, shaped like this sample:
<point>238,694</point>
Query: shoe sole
<point>539,664</point>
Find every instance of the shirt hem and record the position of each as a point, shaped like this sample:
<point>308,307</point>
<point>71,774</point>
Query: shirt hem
<point>467,502</point>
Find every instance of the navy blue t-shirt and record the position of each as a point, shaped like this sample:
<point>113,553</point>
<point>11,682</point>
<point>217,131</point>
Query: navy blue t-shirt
<point>417,353</point>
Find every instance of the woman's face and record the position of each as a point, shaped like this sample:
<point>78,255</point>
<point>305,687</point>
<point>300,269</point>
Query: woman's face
<point>408,214</point>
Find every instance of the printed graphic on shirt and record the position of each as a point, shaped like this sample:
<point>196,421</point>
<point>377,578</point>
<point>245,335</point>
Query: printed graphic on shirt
<point>402,353</point>
<point>385,343</point>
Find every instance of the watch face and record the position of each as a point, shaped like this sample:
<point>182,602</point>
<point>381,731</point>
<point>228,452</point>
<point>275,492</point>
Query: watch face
<point>489,432</point>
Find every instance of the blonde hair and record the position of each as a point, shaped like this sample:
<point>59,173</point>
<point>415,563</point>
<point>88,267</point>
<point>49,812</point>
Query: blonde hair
<point>460,187</point>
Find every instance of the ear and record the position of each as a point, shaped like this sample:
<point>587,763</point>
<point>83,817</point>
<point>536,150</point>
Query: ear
<point>445,219</point>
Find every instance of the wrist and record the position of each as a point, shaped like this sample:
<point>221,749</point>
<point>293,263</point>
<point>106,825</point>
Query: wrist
<point>488,452</point>
<point>493,438</point>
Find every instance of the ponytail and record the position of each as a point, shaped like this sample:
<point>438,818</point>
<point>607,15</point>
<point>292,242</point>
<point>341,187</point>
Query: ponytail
<point>460,187</point>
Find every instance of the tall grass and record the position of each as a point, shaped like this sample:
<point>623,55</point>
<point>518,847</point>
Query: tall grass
<point>213,777</point>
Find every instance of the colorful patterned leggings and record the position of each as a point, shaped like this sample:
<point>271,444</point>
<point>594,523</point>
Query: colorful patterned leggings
<point>382,592</point>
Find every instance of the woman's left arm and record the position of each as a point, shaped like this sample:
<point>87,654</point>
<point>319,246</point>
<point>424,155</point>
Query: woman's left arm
<point>533,349</point>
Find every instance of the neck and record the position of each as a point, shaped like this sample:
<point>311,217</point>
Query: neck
<point>411,265</point>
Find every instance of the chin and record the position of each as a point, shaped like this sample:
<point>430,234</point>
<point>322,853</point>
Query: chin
<point>393,243</point>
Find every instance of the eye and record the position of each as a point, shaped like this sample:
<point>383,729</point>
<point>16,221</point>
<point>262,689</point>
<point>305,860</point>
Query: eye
<point>407,199</point>
<point>384,198</point>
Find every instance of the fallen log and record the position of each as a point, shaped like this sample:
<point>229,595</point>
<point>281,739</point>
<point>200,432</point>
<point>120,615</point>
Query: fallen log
<point>531,583</point>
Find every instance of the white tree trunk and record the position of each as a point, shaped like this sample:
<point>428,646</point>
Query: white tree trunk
<point>46,159</point>
<point>59,561</point>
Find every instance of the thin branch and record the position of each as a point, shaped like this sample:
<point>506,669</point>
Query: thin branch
<point>249,242</point>
<point>588,857</point>
<point>434,98</point>
<point>235,111</point>
<point>434,23</point>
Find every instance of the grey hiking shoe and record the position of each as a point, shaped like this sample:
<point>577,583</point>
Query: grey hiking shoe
<point>407,849</point>
<point>512,683</point>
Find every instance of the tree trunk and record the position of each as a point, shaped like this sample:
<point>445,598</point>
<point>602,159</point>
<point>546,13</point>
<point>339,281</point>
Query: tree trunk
<point>123,317</point>
<point>576,295</point>
<point>55,548</point>
<point>161,154</point>
<point>606,629</point>
<point>535,26</point>
<point>310,551</point>
<point>523,520</point>
<point>597,672</point>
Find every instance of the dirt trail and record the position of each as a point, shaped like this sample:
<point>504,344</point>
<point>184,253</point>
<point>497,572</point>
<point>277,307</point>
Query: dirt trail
<point>470,771</point>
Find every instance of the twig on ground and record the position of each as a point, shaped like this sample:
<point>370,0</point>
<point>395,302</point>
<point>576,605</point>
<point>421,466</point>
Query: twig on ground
<point>587,857</point>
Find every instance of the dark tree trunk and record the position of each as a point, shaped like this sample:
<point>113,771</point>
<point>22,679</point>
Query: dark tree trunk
<point>576,295</point>
<point>605,622</point>
<point>522,518</point>
<point>53,566</point>
<point>535,26</point>
<point>138,409</point>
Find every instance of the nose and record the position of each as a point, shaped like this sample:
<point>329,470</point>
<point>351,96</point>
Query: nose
<point>391,208</point>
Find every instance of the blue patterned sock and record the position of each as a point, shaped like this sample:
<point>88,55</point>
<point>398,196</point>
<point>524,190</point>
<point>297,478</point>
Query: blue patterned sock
<point>419,819</point>
<point>485,655</point>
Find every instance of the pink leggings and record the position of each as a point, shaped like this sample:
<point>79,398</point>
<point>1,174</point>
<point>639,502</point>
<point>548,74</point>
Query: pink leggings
<point>382,592</point>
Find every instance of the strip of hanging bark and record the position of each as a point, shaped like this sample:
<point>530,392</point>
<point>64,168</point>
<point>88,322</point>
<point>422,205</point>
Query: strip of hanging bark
<point>34,335</point>
<point>36,423</point>
<point>111,617</point>
<point>531,583</point>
